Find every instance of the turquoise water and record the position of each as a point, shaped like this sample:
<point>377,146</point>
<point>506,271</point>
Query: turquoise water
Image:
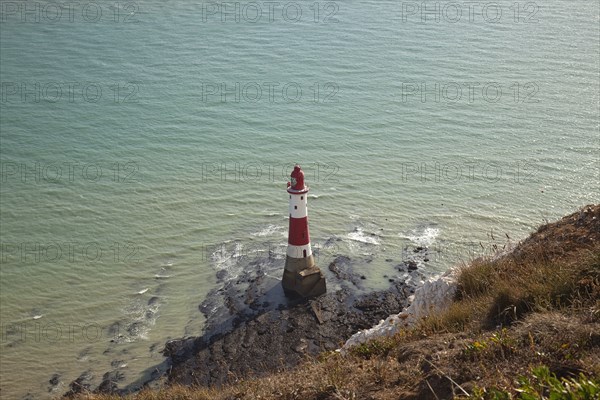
<point>149,146</point>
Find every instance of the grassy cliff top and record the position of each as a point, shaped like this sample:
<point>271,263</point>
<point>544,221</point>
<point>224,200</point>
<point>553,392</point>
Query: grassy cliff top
<point>524,325</point>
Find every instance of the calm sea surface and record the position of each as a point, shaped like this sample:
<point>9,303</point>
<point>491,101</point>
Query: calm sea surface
<point>146,145</point>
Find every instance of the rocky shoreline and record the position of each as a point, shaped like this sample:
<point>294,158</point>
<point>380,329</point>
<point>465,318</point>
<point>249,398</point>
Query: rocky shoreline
<point>252,329</point>
<point>273,339</point>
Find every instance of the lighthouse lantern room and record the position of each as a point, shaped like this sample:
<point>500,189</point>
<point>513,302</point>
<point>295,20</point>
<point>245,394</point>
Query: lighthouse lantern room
<point>301,277</point>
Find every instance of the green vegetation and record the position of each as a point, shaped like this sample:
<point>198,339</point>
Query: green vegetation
<point>525,325</point>
<point>544,385</point>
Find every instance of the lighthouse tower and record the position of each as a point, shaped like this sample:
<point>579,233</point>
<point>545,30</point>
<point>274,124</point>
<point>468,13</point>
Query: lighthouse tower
<point>301,277</point>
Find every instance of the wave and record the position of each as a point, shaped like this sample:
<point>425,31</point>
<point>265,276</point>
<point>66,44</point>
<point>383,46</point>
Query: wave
<point>140,318</point>
<point>225,260</point>
<point>424,236</point>
<point>270,230</point>
<point>319,196</point>
<point>358,235</point>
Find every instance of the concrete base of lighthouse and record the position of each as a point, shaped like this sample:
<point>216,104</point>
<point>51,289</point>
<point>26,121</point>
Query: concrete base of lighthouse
<point>301,277</point>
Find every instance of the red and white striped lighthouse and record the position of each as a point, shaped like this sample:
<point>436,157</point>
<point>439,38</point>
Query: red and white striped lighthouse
<point>301,277</point>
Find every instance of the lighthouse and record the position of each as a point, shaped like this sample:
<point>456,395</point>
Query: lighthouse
<point>301,277</point>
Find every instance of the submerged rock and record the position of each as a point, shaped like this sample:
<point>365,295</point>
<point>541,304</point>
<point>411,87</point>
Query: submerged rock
<point>109,382</point>
<point>80,385</point>
<point>54,383</point>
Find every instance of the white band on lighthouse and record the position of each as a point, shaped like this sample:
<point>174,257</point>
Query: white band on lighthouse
<point>298,205</point>
<point>299,251</point>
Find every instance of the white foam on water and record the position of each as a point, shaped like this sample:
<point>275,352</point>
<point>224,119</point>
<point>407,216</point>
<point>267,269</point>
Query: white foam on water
<point>143,291</point>
<point>358,235</point>
<point>270,230</point>
<point>144,316</point>
<point>226,258</point>
<point>319,196</point>
<point>423,236</point>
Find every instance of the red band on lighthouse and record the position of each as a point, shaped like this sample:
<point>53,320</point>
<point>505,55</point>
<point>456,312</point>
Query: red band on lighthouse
<point>298,232</point>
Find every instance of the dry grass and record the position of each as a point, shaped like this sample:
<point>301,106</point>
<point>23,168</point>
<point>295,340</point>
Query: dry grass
<point>538,305</point>
<point>495,294</point>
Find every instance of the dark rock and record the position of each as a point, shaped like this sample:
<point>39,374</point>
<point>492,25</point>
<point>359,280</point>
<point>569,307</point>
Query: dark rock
<point>341,266</point>
<point>84,354</point>
<point>135,328</point>
<point>80,385</point>
<point>113,329</point>
<point>109,382</point>
<point>267,338</point>
<point>337,266</point>
<point>54,381</point>
<point>107,387</point>
<point>178,349</point>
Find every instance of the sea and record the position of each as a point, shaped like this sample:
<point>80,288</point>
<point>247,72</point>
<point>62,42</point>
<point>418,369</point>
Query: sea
<point>146,146</point>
